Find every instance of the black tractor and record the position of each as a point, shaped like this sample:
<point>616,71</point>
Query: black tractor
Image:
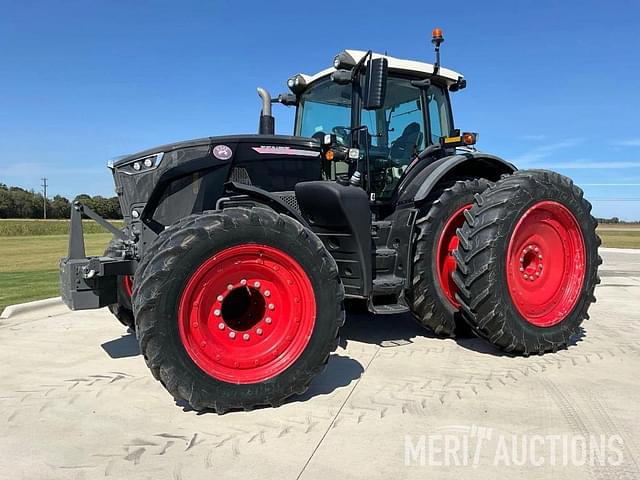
<point>239,251</point>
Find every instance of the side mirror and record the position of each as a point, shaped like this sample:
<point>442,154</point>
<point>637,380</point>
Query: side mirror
<point>375,84</point>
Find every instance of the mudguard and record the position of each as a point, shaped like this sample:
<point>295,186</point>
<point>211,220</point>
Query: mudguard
<point>421,179</point>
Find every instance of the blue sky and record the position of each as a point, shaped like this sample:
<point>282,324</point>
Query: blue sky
<point>550,84</point>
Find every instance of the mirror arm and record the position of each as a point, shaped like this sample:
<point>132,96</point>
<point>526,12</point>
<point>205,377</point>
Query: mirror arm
<point>359,65</point>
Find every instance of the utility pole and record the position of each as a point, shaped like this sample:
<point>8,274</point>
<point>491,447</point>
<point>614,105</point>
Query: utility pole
<point>44,188</point>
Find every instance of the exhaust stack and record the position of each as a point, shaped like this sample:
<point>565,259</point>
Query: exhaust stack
<point>267,124</point>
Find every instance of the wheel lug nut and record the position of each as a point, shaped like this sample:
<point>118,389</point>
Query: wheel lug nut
<point>259,331</point>
<point>268,320</point>
<point>537,274</point>
<point>243,282</point>
<point>536,249</point>
<point>267,293</point>
<point>232,334</point>
<point>230,287</point>
<point>221,326</point>
<point>216,312</point>
<point>271,306</point>
<point>245,336</point>
<point>526,277</point>
<point>257,284</point>
<point>540,266</point>
<point>540,257</point>
<point>521,259</point>
<point>220,298</point>
<point>522,269</point>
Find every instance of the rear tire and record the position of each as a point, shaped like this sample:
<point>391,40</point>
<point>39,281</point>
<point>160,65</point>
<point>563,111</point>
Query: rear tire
<point>122,309</point>
<point>527,262</point>
<point>255,343</point>
<point>432,292</point>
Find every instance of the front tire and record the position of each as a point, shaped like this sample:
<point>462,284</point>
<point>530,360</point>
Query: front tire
<point>527,262</point>
<point>237,309</point>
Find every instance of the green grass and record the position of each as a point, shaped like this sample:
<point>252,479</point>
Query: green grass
<point>23,227</point>
<point>29,265</point>
<point>620,237</point>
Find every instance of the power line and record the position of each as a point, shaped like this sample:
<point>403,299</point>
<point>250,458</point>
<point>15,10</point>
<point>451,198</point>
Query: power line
<point>605,199</point>
<point>44,188</point>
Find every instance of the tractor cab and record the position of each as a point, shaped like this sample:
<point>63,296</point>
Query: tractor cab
<point>373,115</point>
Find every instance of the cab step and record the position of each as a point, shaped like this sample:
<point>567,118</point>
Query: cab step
<point>389,285</point>
<point>390,309</point>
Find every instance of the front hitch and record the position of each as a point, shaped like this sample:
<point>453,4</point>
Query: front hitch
<point>90,282</point>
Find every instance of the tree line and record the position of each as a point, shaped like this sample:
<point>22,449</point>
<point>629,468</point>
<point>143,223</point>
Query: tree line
<point>16,202</point>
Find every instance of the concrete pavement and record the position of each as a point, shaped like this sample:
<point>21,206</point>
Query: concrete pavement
<point>77,402</point>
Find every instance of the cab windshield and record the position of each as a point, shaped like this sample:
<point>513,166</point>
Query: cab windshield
<point>325,108</point>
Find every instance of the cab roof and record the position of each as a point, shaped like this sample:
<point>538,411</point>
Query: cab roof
<point>420,69</point>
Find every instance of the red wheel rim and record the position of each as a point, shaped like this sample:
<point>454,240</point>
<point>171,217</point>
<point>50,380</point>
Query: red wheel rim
<point>546,264</point>
<point>247,313</point>
<point>445,261</point>
<point>127,281</point>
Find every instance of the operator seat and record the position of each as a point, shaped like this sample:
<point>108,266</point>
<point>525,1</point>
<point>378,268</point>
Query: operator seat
<point>405,145</point>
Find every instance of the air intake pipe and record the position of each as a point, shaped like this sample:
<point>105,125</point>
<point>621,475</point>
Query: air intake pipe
<point>267,122</point>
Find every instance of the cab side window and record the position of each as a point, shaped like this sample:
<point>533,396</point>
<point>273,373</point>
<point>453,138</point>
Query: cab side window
<point>439,125</point>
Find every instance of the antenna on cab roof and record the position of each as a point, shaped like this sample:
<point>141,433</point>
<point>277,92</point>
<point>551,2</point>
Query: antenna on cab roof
<point>437,39</point>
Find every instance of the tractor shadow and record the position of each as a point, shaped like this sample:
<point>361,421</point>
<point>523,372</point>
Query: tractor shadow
<point>384,331</point>
<point>123,347</point>
<point>399,330</point>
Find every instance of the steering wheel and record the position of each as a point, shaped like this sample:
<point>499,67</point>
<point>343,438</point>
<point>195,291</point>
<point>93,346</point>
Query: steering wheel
<point>343,134</point>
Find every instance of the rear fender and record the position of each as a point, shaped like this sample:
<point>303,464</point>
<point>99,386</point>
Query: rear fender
<point>420,183</point>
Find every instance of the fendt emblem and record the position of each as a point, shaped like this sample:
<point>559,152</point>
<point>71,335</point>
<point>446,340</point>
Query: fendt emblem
<point>222,152</point>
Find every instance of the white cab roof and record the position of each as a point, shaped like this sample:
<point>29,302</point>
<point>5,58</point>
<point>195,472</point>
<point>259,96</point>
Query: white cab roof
<point>421,69</point>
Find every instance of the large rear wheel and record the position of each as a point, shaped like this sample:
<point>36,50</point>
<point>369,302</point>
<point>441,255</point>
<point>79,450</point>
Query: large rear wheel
<point>527,262</point>
<point>432,295</point>
<point>237,308</point>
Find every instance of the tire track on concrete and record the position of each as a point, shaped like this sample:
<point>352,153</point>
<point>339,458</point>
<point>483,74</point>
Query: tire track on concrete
<point>588,426</point>
<point>412,395</point>
<point>630,469</point>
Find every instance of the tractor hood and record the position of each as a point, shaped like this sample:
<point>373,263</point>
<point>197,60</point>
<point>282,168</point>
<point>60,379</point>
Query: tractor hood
<point>303,142</point>
<point>175,180</point>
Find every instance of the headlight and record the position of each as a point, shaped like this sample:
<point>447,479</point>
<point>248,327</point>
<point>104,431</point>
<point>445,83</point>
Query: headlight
<point>343,61</point>
<point>297,84</point>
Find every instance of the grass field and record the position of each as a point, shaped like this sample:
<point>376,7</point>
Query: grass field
<point>22,228</point>
<point>29,257</point>
<point>30,251</point>
<point>620,236</point>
